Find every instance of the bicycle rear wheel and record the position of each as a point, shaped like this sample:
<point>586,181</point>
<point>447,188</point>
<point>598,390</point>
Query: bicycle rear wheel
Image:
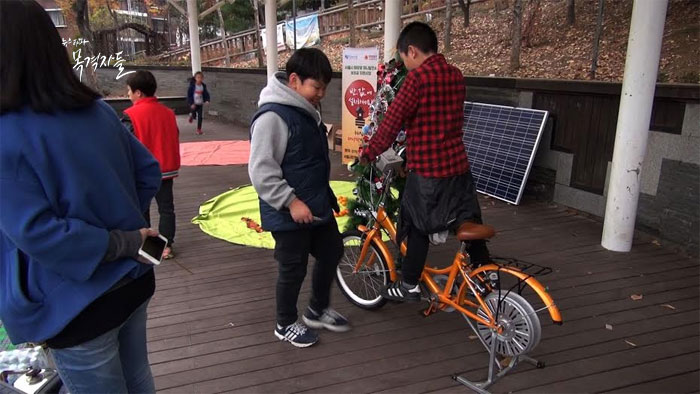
<point>362,288</point>
<point>520,327</point>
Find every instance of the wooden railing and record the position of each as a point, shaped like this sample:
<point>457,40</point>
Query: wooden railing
<point>331,21</point>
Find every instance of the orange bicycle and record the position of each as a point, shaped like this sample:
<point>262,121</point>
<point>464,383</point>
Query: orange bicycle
<point>491,297</point>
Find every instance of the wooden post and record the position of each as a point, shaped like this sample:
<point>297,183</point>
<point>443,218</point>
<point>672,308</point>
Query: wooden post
<point>596,40</point>
<point>227,61</point>
<point>351,22</point>
<point>258,43</point>
<point>517,35</point>
<point>448,26</point>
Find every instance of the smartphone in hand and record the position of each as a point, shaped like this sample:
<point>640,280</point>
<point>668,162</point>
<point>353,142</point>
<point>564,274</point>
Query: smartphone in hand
<point>152,249</point>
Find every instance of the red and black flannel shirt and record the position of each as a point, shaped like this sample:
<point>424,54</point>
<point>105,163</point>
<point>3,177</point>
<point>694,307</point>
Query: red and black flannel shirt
<point>430,104</point>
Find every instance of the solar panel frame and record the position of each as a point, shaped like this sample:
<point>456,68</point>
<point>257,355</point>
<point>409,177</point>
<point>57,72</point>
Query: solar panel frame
<point>478,127</point>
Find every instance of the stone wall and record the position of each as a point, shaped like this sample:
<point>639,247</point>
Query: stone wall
<point>669,201</point>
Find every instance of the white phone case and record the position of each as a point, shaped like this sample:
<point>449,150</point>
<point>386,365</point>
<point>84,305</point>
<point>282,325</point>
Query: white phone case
<point>150,258</point>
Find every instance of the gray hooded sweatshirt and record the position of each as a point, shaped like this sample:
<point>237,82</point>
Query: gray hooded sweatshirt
<point>268,143</point>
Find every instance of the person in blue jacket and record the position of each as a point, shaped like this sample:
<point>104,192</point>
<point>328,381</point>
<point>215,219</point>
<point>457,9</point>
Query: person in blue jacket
<point>74,184</point>
<point>197,96</point>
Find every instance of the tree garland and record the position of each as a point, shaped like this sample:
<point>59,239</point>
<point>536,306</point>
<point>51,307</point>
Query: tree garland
<point>370,181</point>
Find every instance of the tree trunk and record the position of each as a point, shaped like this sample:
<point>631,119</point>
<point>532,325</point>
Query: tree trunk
<point>258,42</point>
<point>227,61</point>
<point>596,40</point>
<point>465,10</point>
<point>501,5</point>
<point>528,30</point>
<point>448,26</point>
<point>351,22</point>
<point>82,18</point>
<point>570,12</point>
<point>517,35</point>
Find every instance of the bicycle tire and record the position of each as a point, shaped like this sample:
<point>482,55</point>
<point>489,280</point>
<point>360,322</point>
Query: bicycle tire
<point>363,288</point>
<point>521,328</point>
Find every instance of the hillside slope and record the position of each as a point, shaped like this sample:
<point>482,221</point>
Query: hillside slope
<point>555,50</point>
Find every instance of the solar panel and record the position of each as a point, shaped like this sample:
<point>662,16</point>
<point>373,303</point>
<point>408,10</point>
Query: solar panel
<point>501,143</point>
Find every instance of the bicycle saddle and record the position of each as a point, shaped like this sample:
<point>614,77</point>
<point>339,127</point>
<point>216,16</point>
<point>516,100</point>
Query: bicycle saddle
<point>469,231</point>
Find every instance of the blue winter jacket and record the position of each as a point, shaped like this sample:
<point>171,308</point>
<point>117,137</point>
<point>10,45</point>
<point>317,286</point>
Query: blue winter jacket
<point>66,180</point>
<point>190,93</point>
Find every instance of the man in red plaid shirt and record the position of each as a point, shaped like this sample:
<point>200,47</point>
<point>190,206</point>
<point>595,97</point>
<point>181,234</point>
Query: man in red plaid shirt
<point>439,193</point>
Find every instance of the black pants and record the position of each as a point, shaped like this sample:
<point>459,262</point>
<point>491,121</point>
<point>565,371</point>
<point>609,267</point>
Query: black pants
<point>166,210</point>
<point>292,249</point>
<point>417,245</point>
<point>196,113</point>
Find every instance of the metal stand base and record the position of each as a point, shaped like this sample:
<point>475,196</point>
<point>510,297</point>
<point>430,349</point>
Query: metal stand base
<point>493,376</point>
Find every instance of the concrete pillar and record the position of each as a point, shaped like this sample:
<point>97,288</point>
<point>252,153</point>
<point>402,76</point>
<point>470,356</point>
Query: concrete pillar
<point>638,85</point>
<point>271,36</point>
<point>392,26</point>
<point>193,19</point>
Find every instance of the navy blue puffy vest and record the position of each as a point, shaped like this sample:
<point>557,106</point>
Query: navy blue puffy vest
<point>306,167</point>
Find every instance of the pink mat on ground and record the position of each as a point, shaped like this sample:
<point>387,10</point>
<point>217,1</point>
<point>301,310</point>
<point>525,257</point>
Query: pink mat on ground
<point>214,153</point>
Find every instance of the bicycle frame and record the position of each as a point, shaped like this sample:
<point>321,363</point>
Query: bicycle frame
<point>459,266</point>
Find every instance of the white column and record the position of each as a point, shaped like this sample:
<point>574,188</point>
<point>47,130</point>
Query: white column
<point>639,82</point>
<point>271,36</point>
<point>392,26</point>
<point>192,18</point>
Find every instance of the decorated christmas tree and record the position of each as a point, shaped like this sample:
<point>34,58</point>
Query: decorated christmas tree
<point>370,181</point>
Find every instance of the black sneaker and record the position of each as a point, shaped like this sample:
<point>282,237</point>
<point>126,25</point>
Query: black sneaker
<point>329,319</point>
<point>297,334</point>
<point>399,291</point>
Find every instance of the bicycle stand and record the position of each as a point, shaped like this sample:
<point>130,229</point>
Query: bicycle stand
<point>493,376</point>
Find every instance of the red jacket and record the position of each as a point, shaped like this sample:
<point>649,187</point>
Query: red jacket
<point>155,126</point>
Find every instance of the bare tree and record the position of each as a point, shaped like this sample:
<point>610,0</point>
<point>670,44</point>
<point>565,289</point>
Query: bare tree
<point>227,61</point>
<point>570,12</point>
<point>448,26</point>
<point>82,19</point>
<point>258,53</point>
<point>351,22</point>
<point>529,29</point>
<point>465,9</point>
<point>596,40</point>
<point>517,35</point>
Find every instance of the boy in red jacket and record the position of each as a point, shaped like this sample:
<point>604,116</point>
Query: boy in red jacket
<point>155,126</point>
<point>439,194</point>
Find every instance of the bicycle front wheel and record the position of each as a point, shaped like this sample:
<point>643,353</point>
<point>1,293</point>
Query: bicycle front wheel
<point>362,288</point>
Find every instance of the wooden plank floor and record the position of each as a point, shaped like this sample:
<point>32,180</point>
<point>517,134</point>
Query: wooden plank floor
<point>211,319</point>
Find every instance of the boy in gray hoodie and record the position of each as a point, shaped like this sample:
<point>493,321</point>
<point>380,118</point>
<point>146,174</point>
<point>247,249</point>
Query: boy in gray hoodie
<point>290,170</point>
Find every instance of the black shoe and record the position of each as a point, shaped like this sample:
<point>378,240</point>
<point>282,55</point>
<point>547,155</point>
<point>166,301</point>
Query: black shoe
<point>297,334</point>
<point>329,319</point>
<point>399,291</point>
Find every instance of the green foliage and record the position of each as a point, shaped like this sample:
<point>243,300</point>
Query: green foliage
<point>238,16</point>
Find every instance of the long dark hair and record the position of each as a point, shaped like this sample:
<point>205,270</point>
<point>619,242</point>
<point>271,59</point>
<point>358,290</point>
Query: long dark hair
<point>34,66</point>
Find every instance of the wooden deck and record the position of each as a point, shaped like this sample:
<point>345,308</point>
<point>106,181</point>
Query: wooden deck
<point>211,319</point>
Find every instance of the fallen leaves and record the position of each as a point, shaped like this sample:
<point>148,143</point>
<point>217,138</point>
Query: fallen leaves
<point>636,297</point>
<point>669,306</point>
<point>609,327</point>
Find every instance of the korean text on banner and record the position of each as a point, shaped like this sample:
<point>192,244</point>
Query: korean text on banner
<point>359,88</point>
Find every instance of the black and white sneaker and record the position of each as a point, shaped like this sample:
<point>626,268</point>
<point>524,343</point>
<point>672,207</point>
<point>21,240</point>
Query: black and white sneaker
<point>399,291</point>
<point>329,319</point>
<point>297,334</point>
